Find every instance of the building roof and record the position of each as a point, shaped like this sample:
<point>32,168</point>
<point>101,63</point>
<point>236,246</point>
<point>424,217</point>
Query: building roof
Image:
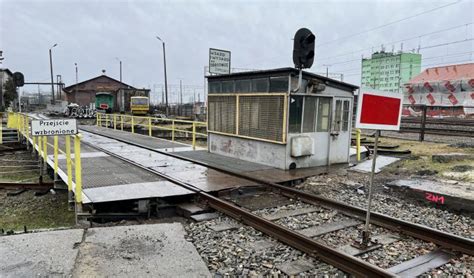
<point>281,71</point>
<point>71,87</point>
<point>449,72</point>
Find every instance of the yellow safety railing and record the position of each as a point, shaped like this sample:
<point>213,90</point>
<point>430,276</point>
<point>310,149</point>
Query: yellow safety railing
<point>119,121</point>
<point>21,122</point>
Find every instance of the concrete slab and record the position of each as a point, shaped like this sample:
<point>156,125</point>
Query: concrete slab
<point>382,161</point>
<point>448,157</point>
<point>295,267</point>
<point>259,245</point>
<point>204,216</point>
<point>220,227</point>
<point>458,196</point>
<point>188,209</point>
<point>139,251</point>
<point>134,191</point>
<point>41,254</point>
<point>422,264</point>
<point>286,213</point>
<point>329,227</point>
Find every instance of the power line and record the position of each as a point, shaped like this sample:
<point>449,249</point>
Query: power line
<point>425,47</point>
<point>390,23</point>
<point>434,64</point>
<point>423,59</point>
<point>397,41</point>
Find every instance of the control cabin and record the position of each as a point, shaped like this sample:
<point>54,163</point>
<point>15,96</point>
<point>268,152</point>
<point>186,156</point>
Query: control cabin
<point>263,117</point>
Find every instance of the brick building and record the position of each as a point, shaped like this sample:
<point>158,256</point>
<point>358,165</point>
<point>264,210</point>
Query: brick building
<point>103,92</point>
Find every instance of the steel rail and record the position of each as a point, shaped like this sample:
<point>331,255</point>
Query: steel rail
<point>334,257</point>
<point>444,239</point>
<point>439,131</point>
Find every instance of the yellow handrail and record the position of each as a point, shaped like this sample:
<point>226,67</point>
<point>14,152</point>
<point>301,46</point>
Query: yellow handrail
<point>153,122</point>
<point>21,122</point>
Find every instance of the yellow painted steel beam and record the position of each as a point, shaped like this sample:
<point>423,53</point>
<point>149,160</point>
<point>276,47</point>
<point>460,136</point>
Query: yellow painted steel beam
<point>358,143</point>
<point>237,109</point>
<point>78,167</point>
<point>45,150</point>
<point>172,131</point>
<point>246,137</point>
<point>149,127</point>
<point>68,163</point>
<point>56,147</point>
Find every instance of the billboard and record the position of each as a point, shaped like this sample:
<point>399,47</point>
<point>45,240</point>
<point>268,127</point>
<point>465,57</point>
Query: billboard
<point>219,61</point>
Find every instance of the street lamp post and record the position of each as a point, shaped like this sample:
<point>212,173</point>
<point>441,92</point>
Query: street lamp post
<point>75,64</point>
<point>51,68</point>
<point>120,63</point>
<point>166,79</point>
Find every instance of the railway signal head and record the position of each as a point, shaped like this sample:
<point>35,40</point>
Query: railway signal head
<point>18,79</point>
<point>303,48</point>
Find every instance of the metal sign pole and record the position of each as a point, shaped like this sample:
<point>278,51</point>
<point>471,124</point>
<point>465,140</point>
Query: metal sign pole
<point>366,232</point>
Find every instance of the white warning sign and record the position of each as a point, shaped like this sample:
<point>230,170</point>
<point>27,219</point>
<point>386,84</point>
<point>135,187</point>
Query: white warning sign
<point>219,61</point>
<point>53,127</point>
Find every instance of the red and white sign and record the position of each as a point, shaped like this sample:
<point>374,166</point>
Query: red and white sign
<point>379,110</point>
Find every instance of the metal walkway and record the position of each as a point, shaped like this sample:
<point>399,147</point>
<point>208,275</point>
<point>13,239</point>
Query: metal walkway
<point>203,157</point>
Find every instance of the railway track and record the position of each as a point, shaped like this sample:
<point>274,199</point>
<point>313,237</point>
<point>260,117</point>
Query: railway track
<point>439,131</point>
<point>446,127</point>
<point>301,241</point>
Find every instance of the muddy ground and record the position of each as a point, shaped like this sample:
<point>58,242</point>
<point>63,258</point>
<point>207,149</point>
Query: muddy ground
<point>26,209</point>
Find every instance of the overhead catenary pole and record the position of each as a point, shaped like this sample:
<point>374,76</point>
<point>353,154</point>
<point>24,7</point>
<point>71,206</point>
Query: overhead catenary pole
<point>166,78</point>
<point>51,69</point>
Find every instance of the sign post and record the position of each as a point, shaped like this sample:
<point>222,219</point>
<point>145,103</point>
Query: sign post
<point>380,111</point>
<point>219,61</point>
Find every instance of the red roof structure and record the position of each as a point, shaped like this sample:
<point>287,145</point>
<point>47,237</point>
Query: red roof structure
<point>450,72</point>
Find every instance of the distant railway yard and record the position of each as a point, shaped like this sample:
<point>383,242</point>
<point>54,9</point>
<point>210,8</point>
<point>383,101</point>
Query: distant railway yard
<point>306,225</point>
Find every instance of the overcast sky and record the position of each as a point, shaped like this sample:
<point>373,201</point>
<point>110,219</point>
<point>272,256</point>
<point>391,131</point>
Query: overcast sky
<point>259,34</point>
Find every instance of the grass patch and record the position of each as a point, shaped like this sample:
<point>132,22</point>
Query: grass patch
<point>421,159</point>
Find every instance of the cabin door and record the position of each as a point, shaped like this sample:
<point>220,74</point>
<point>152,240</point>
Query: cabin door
<point>340,133</point>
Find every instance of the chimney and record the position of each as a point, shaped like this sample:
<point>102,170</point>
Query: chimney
<point>436,71</point>
<point>428,71</point>
<point>455,69</point>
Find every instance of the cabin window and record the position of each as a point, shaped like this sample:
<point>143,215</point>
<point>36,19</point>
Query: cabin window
<point>337,115</point>
<point>278,84</point>
<point>260,85</point>
<point>242,86</point>
<point>227,86</point>
<point>296,111</point>
<point>214,87</point>
<point>345,115</point>
<point>309,114</point>
<point>324,106</point>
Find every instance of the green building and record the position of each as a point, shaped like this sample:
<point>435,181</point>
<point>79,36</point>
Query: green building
<point>388,71</point>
